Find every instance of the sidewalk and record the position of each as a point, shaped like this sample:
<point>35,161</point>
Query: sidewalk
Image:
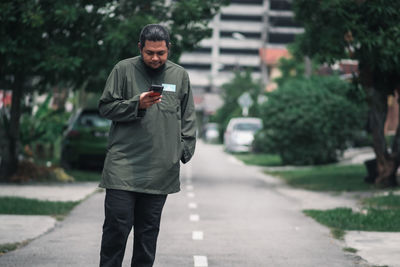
<point>22,228</point>
<point>377,248</point>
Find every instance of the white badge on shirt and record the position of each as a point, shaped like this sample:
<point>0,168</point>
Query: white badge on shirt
<point>169,87</point>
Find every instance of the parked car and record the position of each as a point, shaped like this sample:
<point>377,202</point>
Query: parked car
<point>239,134</point>
<point>85,139</point>
<point>211,132</point>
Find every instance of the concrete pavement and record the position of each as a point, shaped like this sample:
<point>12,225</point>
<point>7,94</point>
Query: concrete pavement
<point>23,228</point>
<point>376,248</point>
<point>51,191</point>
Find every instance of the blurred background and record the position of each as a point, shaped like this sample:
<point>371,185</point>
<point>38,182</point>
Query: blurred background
<point>306,90</point>
<point>318,78</point>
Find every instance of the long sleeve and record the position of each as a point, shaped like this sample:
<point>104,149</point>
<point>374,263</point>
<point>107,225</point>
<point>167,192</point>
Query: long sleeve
<point>113,105</point>
<point>188,130</point>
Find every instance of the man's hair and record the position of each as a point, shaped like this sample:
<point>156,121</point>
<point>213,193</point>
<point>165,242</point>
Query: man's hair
<point>153,32</point>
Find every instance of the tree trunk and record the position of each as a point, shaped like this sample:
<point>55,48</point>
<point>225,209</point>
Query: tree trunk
<point>396,145</point>
<point>386,163</point>
<point>9,163</point>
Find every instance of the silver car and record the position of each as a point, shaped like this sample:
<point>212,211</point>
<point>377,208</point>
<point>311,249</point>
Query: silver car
<point>239,134</point>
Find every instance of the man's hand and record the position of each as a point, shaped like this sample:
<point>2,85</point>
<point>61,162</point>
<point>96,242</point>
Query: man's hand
<point>147,100</point>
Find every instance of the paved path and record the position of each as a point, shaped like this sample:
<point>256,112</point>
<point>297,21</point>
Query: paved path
<point>22,228</point>
<point>52,191</point>
<point>75,241</point>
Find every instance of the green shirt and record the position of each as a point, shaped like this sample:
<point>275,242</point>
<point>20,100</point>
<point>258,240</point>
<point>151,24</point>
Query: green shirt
<point>145,147</point>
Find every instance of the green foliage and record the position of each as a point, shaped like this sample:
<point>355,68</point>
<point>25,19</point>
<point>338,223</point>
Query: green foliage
<point>370,220</point>
<point>290,68</point>
<point>4,248</point>
<point>260,159</point>
<point>350,250</point>
<point>391,201</point>
<point>85,176</point>
<point>326,178</point>
<point>352,29</point>
<point>310,121</point>
<point>45,126</point>
<point>77,42</point>
<point>338,233</point>
<point>231,91</point>
<point>26,206</point>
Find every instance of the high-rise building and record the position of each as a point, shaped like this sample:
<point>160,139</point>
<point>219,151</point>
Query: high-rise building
<point>240,34</point>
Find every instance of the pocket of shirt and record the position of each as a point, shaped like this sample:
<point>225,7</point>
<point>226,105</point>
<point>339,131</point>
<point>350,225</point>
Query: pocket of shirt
<point>169,103</point>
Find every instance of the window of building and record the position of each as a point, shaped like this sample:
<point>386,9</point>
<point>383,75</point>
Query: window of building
<point>250,35</point>
<point>280,5</point>
<point>241,17</point>
<point>242,51</point>
<point>240,67</point>
<point>247,2</point>
<point>196,66</point>
<point>283,22</point>
<point>280,38</point>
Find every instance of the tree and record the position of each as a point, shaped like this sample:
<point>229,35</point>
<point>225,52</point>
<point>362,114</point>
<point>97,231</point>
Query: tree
<point>310,121</point>
<point>369,32</point>
<point>231,91</point>
<point>76,43</point>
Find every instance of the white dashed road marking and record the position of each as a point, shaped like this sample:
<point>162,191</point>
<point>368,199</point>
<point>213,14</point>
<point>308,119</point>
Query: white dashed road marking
<point>192,205</point>
<point>194,218</point>
<point>197,235</point>
<point>190,194</point>
<point>189,187</point>
<point>200,261</point>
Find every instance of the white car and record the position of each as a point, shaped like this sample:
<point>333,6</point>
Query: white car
<point>239,134</point>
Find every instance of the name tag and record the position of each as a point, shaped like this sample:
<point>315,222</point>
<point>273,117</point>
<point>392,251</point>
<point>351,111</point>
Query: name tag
<point>169,87</point>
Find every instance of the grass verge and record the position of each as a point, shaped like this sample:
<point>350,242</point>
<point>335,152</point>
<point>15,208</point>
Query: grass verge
<point>390,201</point>
<point>26,206</point>
<point>4,248</point>
<point>326,178</point>
<point>338,233</point>
<point>345,219</point>
<point>382,213</point>
<point>260,159</point>
<point>350,250</point>
<point>85,175</point>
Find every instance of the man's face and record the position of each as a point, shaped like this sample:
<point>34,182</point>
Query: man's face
<point>155,53</point>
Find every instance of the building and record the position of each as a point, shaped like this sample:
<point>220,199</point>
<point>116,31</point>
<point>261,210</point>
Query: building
<point>241,33</point>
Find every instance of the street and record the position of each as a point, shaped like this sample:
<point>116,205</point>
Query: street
<point>244,221</point>
<point>226,215</point>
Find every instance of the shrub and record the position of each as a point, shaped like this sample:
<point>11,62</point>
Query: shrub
<point>30,172</point>
<point>311,121</point>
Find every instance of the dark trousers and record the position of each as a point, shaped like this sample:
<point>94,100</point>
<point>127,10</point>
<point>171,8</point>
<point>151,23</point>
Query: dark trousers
<point>124,209</point>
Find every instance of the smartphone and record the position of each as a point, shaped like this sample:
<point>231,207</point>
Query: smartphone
<point>157,89</point>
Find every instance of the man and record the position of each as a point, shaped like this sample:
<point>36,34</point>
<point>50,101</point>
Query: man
<point>149,135</point>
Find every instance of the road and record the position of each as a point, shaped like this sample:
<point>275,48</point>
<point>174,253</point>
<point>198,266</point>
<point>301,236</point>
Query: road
<point>227,215</point>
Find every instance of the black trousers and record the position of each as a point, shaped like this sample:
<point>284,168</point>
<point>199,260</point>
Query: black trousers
<point>124,209</point>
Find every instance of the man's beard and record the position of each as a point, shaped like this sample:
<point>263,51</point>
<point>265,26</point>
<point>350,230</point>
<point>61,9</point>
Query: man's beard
<point>150,69</point>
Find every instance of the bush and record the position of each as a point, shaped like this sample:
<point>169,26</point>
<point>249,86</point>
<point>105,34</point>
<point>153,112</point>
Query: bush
<point>30,172</point>
<point>310,121</point>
